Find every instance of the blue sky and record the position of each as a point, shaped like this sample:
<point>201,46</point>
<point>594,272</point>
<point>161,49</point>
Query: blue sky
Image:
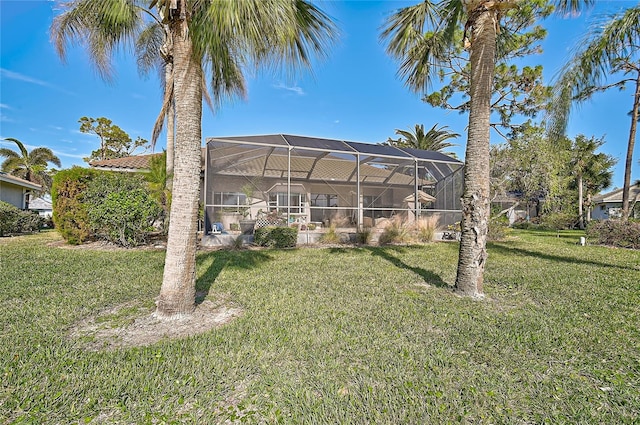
<point>353,94</point>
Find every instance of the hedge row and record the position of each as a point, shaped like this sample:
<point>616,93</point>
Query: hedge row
<point>13,220</point>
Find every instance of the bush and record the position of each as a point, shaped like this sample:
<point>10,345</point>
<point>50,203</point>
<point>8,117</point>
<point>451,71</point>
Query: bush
<point>14,220</point>
<point>394,233</point>
<point>363,237</point>
<point>498,227</point>
<point>29,221</point>
<point>624,234</point>
<point>120,208</point>
<point>558,221</point>
<point>124,217</point>
<point>276,237</point>
<point>426,228</point>
<point>330,236</point>
<point>116,207</point>
<point>8,218</point>
<point>69,210</point>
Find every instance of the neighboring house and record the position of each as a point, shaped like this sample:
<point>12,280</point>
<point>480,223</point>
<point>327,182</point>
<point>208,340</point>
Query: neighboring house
<point>137,164</point>
<point>43,206</point>
<point>16,191</point>
<point>609,205</point>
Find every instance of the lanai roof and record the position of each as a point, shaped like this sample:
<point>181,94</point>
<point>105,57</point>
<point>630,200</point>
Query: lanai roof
<point>322,159</point>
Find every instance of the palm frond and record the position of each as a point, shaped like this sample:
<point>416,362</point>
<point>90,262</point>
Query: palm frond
<point>609,38</point>
<point>100,26</point>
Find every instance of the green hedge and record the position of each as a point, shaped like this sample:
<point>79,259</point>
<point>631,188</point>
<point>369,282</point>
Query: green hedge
<point>69,209</point>
<point>13,220</point>
<point>111,206</point>
<point>276,237</point>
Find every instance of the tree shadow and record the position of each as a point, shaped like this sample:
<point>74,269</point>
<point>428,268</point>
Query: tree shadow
<point>427,275</point>
<point>221,259</point>
<point>507,250</point>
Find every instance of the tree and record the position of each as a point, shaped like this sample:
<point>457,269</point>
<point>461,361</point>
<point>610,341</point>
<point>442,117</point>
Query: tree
<point>31,166</point>
<point>609,50</point>
<point>530,165</point>
<point>433,140</point>
<point>592,170</point>
<point>114,142</point>
<point>218,39</point>
<point>421,54</point>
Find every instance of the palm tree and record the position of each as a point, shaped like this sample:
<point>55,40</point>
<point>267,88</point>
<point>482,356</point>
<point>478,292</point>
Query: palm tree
<point>421,37</point>
<point>433,140</point>
<point>591,169</point>
<point>31,166</point>
<point>609,49</point>
<point>215,38</point>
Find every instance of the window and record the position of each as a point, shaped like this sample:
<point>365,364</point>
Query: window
<point>324,200</point>
<point>278,202</point>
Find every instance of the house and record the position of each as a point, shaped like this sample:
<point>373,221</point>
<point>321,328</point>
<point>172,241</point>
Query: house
<point>43,206</point>
<point>16,191</point>
<point>609,205</point>
<point>324,182</point>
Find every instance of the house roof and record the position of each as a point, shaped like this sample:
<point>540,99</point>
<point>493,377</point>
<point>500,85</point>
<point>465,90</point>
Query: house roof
<point>616,195</point>
<point>129,163</point>
<point>41,204</point>
<point>8,178</point>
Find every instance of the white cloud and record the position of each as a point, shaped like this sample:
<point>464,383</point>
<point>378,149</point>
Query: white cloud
<point>4,106</point>
<point>5,73</point>
<point>295,89</point>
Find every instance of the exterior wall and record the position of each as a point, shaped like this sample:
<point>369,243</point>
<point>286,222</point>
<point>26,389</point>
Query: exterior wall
<point>12,194</point>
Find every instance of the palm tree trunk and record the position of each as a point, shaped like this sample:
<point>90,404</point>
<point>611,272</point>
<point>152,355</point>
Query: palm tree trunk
<point>580,202</point>
<point>177,294</point>
<point>626,189</point>
<point>171,121</point>
<point>475,198</point>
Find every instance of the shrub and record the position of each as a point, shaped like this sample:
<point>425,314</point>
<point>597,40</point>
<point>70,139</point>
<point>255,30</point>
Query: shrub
<point>558,221</point>
<point>331,236</point>
<point>426,228</point>
<point>69,210</point>
<point>276,237</point>
<point>14,220</point>
<point>124,217</point>
<point>363,237</point>
<point>394,233</point>
<point>624,234</point>
<point>498,227</point>
<point>9,215</point>
<point>29,221</point>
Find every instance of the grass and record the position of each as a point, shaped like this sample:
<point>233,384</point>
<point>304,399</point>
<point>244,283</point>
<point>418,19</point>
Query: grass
<point>342,335</point>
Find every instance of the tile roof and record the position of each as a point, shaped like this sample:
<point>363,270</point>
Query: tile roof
<point>129,163</point>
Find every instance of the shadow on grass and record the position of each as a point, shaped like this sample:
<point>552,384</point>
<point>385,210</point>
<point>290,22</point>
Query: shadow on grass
<point>507,250</point>
<point>386,253</point>
<point>221,259</point>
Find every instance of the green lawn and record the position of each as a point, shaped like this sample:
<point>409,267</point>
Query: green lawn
<point>353,335</point>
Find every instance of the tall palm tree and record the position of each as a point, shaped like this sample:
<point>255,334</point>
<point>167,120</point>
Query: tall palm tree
<point>208,37</point>
<point>433,140</point>
<point>31,166</point>
<point>421,37</point>
<point>610,49</point>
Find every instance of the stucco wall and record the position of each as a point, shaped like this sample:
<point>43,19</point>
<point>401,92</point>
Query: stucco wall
<point>12,194</point>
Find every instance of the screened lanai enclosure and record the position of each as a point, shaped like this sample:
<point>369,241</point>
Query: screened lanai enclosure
<point>316,183</point>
